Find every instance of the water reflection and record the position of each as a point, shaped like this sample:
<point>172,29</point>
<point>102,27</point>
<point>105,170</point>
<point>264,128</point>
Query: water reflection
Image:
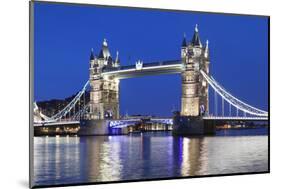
<point>190,155</point>
<point>73,159</point>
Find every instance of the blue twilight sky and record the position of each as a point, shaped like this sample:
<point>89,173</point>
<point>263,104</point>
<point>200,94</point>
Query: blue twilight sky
<point>64,35</point>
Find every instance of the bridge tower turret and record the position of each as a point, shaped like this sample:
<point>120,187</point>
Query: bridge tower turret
<point>194,100</point>
<point>104,91</point>
<point>184,49</point>
<point>204,86</point>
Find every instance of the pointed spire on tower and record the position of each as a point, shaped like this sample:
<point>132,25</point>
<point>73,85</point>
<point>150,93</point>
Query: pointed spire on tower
<point>104,53</point>
<point>117,61</point>
<point>196,28</point>
<point>184,44</point>
<point>195,39</point>
<point>92,56</point>
<point>104,42</point>
<point>206,52</point>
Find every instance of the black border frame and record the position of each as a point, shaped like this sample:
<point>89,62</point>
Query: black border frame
<point>31,94</point>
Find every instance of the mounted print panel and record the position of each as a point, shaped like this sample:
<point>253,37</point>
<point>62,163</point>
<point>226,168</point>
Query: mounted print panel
<point>122,94</point>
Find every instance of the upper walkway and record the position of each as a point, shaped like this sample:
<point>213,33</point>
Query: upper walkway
<point>138,70</point>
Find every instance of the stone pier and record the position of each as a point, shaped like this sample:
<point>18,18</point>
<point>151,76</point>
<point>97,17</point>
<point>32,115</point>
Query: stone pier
<point>99,127</point>
<point>192,126</point>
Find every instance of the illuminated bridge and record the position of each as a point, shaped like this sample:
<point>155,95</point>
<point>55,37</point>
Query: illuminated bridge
<point>106,73</point>
<point>250,113</point>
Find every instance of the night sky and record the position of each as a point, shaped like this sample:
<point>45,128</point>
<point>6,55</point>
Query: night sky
<point>64,35</point>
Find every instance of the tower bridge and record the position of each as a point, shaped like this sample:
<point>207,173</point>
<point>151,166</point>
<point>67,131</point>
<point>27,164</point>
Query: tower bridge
<point>105,73</point>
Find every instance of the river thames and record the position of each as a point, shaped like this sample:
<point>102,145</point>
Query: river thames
<point>73,159</point>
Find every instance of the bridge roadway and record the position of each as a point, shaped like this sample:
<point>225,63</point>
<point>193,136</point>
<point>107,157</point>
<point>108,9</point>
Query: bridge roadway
<point>113,123</point>
<point>233,118</point>
<point>155,68</point>
<point>58,123</point>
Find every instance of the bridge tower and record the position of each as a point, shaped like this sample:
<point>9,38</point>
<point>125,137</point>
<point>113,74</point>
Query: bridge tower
<point>104,91</point>
<point>194,100</point>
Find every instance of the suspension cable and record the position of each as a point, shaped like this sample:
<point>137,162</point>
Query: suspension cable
<point>232,100</point>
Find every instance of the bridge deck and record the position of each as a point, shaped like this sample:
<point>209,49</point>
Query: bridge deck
<point>232,118</point>
<point>160,120</point>
<point>56,123</point>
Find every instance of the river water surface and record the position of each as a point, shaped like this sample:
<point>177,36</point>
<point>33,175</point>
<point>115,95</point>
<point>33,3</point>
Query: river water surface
<point>73,159</point>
